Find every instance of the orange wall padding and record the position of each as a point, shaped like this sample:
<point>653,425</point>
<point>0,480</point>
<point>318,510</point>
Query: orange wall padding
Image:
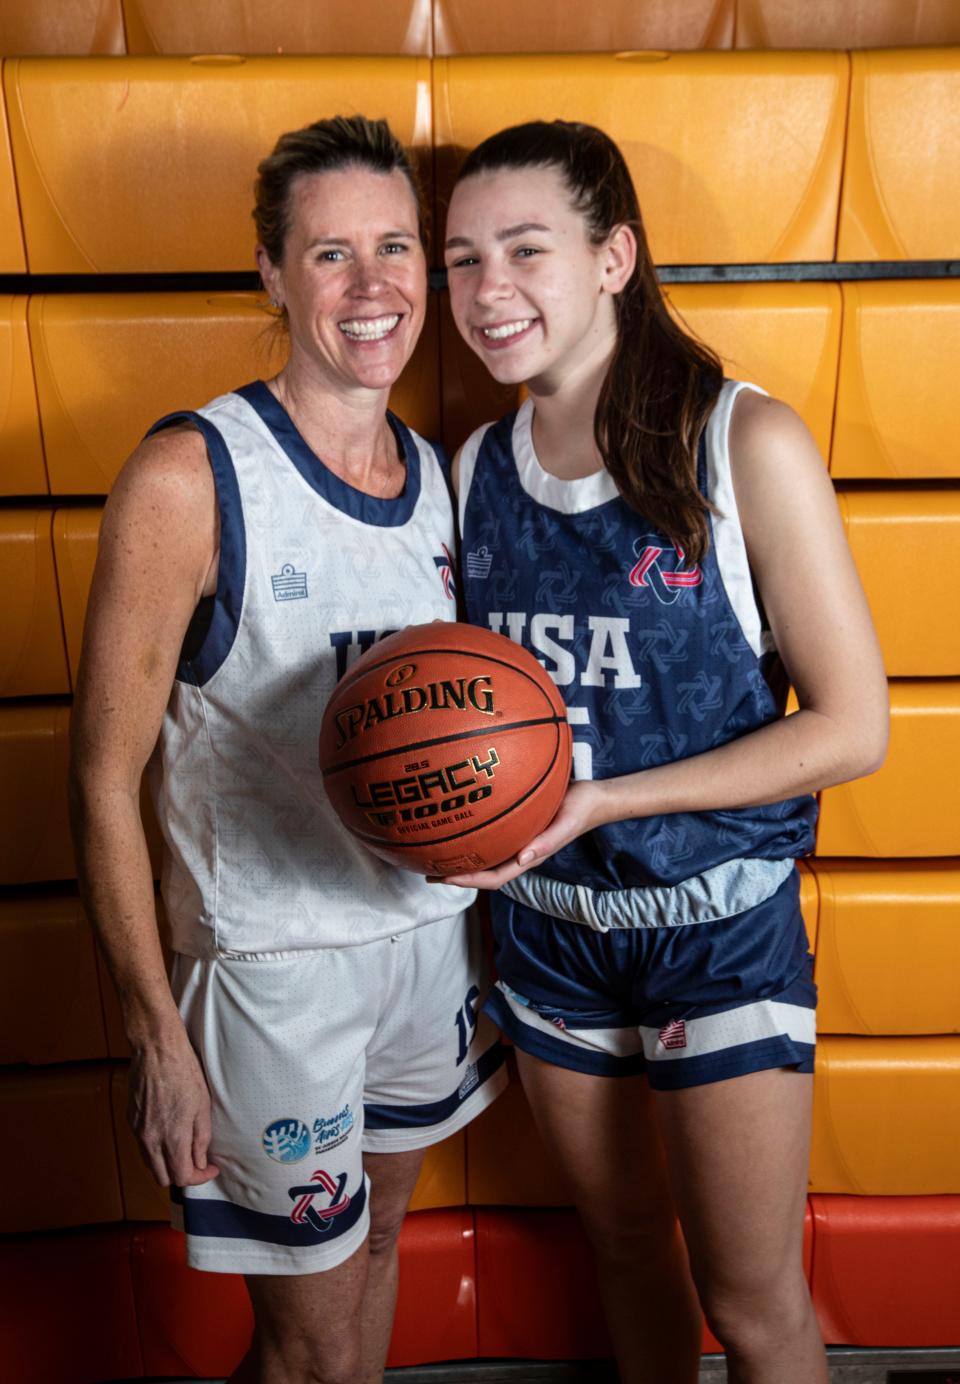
<point>908,807</point>
<point>886,1270</point>
<point>200,124</point>
<point>543,26</point>
<point>286,26</point>
<point>61,27</point>
<point>886,1119</point>
<point>50,1008</point>
<point>888,952</point>
<point>892,534</point>
<point>899,203</point>
<point>32,658</point>
<point>22,471</point>
<point>898,409</point>
<point>849,24</point>
<point>687,124</point>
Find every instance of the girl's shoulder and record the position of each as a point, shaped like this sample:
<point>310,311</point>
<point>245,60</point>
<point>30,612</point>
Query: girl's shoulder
<point>758,422</point>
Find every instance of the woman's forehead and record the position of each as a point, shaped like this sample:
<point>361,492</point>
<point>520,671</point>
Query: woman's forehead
<point>344,195</point>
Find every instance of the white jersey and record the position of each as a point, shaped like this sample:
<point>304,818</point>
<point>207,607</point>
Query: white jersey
<point>311,572</point>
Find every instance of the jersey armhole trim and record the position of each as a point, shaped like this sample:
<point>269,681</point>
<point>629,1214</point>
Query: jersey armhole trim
<point>729,546</point>
<point>221,632</point>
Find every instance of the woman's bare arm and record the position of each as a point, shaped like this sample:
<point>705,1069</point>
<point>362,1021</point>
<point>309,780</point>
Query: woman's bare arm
<point>157,556</point>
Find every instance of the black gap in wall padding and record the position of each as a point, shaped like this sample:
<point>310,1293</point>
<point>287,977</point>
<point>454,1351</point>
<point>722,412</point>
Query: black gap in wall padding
<point>820,271</point>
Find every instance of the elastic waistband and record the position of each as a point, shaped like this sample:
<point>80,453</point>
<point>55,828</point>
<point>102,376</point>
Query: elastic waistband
<point>722,892</point>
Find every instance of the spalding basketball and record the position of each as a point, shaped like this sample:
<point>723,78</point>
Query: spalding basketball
<point>445,748</point>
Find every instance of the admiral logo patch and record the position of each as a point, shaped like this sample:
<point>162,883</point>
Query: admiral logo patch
<point>289,584</point>
<point>674,1034</point>
<point>478,563</point>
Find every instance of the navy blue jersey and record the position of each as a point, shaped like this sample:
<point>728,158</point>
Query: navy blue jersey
<point>657,660</point>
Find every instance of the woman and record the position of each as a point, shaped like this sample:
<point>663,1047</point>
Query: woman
<point>248,552</point>
<point>664,541</point>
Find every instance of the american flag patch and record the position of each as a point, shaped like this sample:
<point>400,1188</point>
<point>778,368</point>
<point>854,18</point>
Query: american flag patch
<point>674,1035</point>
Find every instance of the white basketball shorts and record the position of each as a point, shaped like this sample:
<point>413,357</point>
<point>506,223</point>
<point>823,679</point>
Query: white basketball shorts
<point>313,1058</point>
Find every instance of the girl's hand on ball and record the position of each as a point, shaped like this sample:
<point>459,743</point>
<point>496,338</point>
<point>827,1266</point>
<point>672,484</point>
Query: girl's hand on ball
<point>579,812</point>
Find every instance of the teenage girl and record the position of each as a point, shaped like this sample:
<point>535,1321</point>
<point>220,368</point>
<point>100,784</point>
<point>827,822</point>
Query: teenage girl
<point>667,543</point>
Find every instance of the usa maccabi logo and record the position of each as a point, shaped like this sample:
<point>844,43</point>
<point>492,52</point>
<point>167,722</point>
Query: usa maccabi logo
<point>310,1202</point>
<point>660,567</point>
<point>445,567</point>
<point>287,1140</point>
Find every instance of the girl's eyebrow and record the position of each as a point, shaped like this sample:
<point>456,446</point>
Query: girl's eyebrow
<point>458,241</point>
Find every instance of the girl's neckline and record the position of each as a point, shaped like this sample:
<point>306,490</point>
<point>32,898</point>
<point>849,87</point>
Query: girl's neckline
<point>572,496</point>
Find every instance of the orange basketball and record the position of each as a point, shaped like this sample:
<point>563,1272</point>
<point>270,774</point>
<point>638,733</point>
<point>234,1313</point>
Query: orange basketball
<point>445,748</point>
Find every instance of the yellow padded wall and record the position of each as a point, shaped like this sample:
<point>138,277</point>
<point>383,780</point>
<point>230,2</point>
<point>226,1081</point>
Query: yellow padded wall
<point>32,660</point>
<point>544,26</point>
<point>886,1119</point>
<point>50,1008</point>
<point>784,337</point>
<point>60,27</point>
<point>58,1165</point>
<point>847,24</point>
<point>109,365</point>
<point>888,955</point>
<point>34,830</point>
<point>908,808</point>
<point>898,407</point>
<point>34,827</point>
<point>711,189</point>
<point>171,147</point>
<point>285,26</point>
<point>809,902</point>
<point>894,535</point>
<point>22,471</point>
<point>901,179</point>
<point>13,259</point>
<point>75,534</point>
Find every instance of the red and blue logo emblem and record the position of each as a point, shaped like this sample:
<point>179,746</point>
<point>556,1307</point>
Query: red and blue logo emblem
<point>445,567</point>
<point>662,569</point>
<point>321,1217</point>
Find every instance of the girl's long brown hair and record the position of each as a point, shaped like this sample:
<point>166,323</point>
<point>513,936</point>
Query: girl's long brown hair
<point>661,383</point>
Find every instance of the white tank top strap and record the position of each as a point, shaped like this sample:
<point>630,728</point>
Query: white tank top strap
<point>731,551</point>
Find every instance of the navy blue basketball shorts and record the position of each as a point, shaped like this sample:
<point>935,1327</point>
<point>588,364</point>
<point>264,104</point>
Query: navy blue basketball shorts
<point>685,1004</point>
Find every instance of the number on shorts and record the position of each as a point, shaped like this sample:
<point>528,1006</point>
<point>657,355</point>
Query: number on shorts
<point>466,1022</point>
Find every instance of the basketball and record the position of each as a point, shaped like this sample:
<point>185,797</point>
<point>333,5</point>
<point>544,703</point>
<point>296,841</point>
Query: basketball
<point>445,748</point>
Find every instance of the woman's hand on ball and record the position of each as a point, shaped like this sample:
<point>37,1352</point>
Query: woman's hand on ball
<point>579,812</point>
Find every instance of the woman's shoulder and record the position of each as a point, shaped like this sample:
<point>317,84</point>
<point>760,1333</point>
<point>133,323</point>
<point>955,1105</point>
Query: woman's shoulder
<point>166,485</point>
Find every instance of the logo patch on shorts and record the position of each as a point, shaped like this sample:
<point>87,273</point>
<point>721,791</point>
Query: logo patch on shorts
<point>331,1130</point>
<point>321,1185</point>
<point>674,1035</point>
<point>286,1140</point>
<point>470,1082</point>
